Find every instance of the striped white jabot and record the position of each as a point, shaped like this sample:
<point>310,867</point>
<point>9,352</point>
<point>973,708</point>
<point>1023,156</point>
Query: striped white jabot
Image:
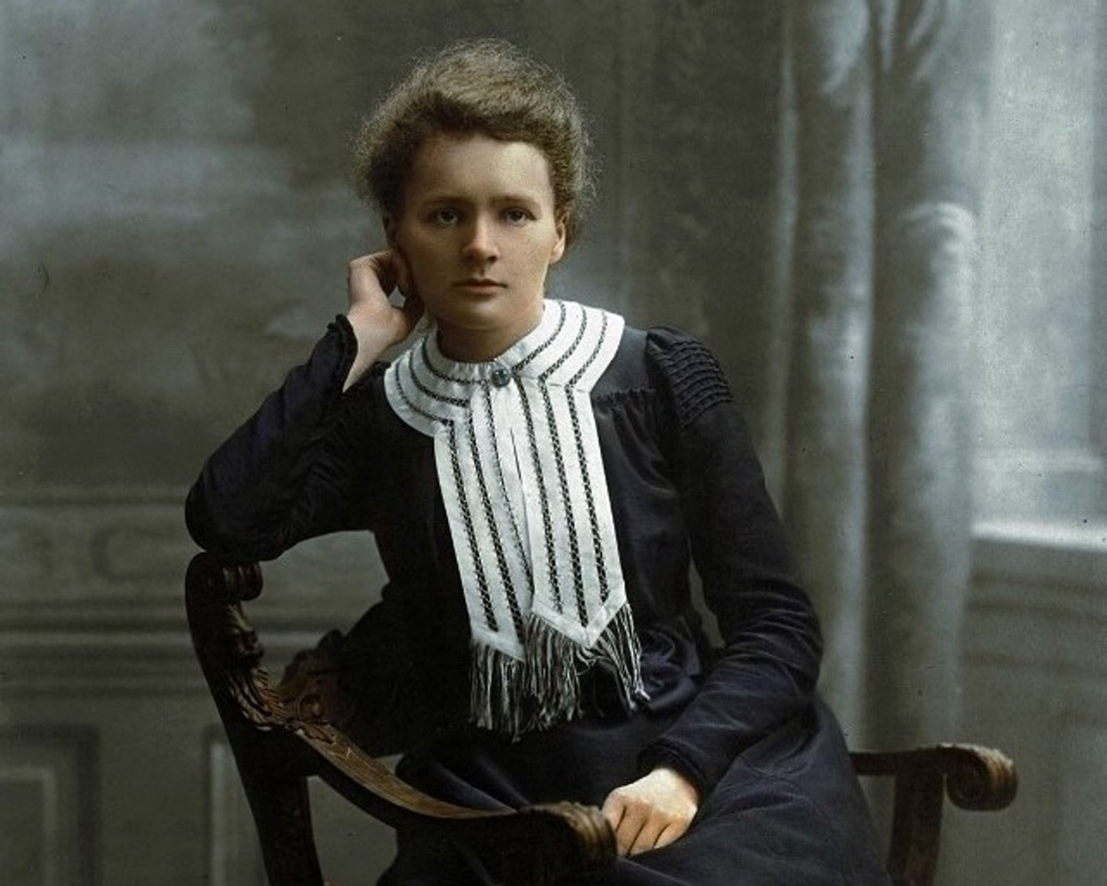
<point>522,478</point>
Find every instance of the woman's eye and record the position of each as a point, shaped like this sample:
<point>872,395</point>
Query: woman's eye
<point>516,216</point>
<point>445,216</point>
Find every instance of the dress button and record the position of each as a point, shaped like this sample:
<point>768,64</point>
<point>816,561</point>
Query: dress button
<point>501,377</point>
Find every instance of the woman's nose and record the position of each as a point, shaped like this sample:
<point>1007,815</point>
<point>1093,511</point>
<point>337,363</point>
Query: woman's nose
<point>480,246</point>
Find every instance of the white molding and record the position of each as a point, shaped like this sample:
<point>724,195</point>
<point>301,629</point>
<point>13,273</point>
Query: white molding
<point>234,858</point>
<point>1041,483</point>
<point>62,760</point>
<point>1050,552</point>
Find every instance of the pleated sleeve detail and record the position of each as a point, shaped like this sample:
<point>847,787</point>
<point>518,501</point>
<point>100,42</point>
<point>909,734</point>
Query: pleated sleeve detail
<point>692,373</point>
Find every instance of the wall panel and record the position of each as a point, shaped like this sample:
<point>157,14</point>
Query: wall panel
<point>1035,664</point>
<point>234,858</point>
<point>48,806</point>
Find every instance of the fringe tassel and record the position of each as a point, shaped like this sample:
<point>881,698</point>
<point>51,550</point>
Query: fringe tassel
<point>495,697</point>
<point>619,644</point>
<point>512,696</point>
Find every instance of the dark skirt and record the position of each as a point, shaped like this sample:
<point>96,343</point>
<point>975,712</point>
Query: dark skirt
<point>789,809</point>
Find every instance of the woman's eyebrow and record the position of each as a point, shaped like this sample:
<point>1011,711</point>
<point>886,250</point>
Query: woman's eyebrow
<point>443,197</point>
<point>461,195</point>
<point>530,201</point>
<point>516,198</point>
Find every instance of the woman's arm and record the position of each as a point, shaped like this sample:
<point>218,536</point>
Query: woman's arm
<point>772,646</point>
<point>299,467</point>
<point>770,662</point>
<point>285,474</point>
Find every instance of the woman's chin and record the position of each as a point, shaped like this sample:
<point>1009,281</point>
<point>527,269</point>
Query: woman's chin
<point>480,332</point>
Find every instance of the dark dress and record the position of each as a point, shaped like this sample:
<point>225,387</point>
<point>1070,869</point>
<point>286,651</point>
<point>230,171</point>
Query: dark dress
<point>780,802</point>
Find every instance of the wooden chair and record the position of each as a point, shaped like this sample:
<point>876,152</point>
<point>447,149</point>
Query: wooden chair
<point>282,734</point>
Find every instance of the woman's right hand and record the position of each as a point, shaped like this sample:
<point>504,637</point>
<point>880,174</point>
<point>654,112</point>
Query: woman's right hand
<point>377,323</point>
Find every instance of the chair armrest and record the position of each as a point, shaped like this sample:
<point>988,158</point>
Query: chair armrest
<point>972,777</point>
<point>281,735</point>
<point>976,777</point>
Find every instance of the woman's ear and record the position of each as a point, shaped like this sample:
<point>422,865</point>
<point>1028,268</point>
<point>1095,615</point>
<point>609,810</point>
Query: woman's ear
<point>559,246</point>
<point>400,268</point>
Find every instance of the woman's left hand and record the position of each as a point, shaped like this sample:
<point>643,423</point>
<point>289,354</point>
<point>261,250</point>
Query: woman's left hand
<point>651,812</point>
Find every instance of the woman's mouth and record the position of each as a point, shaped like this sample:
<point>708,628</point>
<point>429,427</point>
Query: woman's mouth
<point>479,284</point>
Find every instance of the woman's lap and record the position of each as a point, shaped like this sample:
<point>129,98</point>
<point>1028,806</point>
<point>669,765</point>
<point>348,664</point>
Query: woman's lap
<point>787,811</point>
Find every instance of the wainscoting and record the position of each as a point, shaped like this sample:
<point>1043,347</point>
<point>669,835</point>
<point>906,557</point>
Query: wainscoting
<point>113,769</point>
<point>1036,686</point>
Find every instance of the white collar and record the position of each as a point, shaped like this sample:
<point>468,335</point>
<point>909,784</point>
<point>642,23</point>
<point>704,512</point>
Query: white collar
<point>571,347</point>
<point>522,478</point>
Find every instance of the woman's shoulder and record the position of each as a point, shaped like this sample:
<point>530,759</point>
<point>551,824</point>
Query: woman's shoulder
<point>662,358</point>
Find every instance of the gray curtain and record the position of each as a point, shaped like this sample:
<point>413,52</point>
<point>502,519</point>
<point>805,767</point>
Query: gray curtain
<point>885,110</point>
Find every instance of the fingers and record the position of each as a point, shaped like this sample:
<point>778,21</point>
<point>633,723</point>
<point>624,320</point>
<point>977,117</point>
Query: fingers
<point>639,826</point>
<point>670,835</point>
<point>623,823</point>
<point>370,276</point>
<point>373,277</point>
<point>377,323</point>
<point>652,812</point>
<point>647,836</point>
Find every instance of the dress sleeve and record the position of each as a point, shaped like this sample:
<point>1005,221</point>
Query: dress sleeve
<point>769,665</point>
<point>290,472</point>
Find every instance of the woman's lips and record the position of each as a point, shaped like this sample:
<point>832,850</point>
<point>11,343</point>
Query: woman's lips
<point>479,284</point>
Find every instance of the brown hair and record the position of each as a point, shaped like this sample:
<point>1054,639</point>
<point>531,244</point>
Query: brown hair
<point>482,86</point>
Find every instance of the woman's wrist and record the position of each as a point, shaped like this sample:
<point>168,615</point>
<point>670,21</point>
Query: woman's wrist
<point>679,782</point>
<point>371,341</point>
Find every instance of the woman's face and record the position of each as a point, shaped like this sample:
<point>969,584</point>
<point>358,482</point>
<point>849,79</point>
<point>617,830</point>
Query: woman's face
<point>478,231</point>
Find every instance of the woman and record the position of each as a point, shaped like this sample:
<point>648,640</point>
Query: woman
<point>537,475</point>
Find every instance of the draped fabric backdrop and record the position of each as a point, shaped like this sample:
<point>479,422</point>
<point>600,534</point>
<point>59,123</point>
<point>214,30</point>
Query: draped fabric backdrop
<point>887,101</point>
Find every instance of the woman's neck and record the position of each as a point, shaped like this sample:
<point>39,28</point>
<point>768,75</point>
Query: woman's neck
<point>482,345</point>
